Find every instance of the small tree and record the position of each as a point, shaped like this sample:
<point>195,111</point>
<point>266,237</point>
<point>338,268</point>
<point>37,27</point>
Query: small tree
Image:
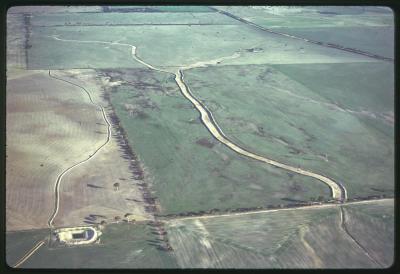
<point>117,218</point>
<point>102,224</point>
<point>116,186</point>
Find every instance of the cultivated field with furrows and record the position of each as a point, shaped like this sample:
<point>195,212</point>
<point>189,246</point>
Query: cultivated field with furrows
<point>47,132</point>
<point>309,238</point>
<point>377,217</point>
<point>65,129</point>
<point>85,189</point>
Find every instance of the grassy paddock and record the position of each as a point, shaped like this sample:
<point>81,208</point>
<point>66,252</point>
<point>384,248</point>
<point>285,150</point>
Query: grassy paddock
<point>291,114</point>
<point>122,246</point>
<point>191,170</point>
<point>158,46</point>
<point>20,242</point>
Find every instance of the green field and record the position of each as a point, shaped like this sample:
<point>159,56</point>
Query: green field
<point>158,45</point>
<point>303,16</point>
<point>370,86</point>
<point>165,131</point>
<point>373,39</point>
<point>263,240</point>
<point>164,18</point>
<point>47,53</point>
<point>121,246</point>
<point>290,113</point>
<point>181,9</point>
<point>370,30</point>
<point>20,242</point>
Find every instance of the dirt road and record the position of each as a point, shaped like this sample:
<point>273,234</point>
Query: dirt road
<point>29,253</point>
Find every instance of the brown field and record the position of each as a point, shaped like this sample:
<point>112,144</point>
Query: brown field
<point>51,125</point>
<point>78,200</point>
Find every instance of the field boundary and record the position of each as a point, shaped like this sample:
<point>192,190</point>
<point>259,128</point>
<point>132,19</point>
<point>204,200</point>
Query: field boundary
<point>314,206</point>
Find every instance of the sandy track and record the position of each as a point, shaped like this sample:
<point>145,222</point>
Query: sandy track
<point>29,253</point>
<point>316,260</point>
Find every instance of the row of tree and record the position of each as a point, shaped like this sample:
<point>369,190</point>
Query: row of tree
<point>28,30</point>
<point>157,227</point>
<point>161,241</point>
<point>215,211</point>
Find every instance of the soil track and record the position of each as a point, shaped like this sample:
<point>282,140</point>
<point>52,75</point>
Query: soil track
<point>29,253</point>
